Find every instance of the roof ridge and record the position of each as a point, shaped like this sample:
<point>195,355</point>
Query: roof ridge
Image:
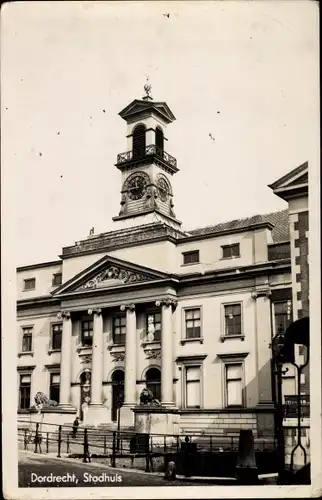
<point>239,219</point>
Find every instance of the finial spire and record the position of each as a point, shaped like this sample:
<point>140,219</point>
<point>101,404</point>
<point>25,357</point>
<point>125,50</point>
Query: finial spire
<point>147,88</point>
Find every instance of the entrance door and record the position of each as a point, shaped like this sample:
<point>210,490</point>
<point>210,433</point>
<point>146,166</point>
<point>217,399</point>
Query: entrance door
<point>117,391</point>
<point>153,382</point>
<point>85,392</point>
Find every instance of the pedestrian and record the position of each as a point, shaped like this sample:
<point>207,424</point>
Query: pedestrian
<point>75,427</point>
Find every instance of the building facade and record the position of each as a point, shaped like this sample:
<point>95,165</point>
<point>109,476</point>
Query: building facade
<point>190,315</point>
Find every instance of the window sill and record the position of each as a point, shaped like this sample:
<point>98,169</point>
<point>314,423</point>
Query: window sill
<point>237,336</point>
<point>151,343</point>
<point>25,353</point>
<point>29,289</point>
<point>116,347</point>
<point>84,348</point>
<point>52,351</point>
<point>187,341</point>
<point>230,258</point>
<point>192,264</point>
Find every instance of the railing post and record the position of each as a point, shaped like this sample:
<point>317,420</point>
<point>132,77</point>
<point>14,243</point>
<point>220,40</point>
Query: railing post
<point>47,442</point>
<point>37,437</point>
<point>67,444</point>
<point>104,444</point>
<point>164,444</point>
<point>178,444</point>
<point>210,444</point>
<point>86,447</point>
<point>25,439</point>
<point>59,441</point>
<point>113,450</point>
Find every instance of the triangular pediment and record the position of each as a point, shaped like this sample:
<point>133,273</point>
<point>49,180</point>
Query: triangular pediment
<point>296,177</point>
<point>140,106</point>
<point>109,272</point>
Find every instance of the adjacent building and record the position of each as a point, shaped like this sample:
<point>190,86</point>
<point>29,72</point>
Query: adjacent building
<point>188,314</point>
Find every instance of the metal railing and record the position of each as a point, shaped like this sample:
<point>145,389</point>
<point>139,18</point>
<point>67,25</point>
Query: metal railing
<point>291,406</point>
<point>151,150</point>
<point>62,439</point>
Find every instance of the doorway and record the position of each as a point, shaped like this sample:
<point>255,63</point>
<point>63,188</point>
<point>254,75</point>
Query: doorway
<point>153,382</point>
<point>117,391</point>
<point>85,392</point>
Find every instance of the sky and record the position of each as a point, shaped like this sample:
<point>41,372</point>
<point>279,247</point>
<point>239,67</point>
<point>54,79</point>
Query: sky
<point>244,72</point>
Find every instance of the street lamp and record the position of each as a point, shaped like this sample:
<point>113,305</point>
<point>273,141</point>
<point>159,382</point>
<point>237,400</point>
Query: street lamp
<point>277,352</point>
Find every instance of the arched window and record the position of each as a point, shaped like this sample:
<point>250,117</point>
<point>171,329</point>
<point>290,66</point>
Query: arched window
<point>85,392</point>
<point>153,382</point>
<point>159,140</point>
<point>138,146</point>
<point>117,392</point>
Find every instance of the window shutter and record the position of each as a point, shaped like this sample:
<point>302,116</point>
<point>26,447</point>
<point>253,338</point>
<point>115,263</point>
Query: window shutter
<point>138,142</point>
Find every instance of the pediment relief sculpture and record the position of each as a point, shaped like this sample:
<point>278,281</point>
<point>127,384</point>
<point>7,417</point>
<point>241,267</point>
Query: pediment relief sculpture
<point>115,275</point>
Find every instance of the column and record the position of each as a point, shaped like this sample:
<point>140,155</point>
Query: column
<point>166,351</point>
<point>130,356</point>
<point>97,357</point>
<point>66,359</point>
<point>264,338</point>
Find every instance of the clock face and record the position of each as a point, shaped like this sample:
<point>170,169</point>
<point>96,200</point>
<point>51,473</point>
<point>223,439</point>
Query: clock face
<point>163,189</point>
<point>136,187</point>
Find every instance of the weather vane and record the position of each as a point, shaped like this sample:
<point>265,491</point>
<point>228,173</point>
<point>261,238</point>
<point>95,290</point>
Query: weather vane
<point>147,88</point>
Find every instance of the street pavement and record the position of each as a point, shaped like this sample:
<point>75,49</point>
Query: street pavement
<point>79,474</point>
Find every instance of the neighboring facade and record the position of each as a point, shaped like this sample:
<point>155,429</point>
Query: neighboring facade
<point>293,188</point>
<point>190,314</point>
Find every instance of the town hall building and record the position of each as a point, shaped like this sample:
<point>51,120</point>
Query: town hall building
<point>189,315</point>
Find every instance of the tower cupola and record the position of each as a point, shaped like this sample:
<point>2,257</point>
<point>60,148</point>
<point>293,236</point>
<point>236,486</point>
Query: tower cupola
<point>146,165</point>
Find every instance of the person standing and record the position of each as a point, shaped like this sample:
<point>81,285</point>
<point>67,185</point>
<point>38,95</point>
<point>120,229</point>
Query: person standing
<point>75,427</point>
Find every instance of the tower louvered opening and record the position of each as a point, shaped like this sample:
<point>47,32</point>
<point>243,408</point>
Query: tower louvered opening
<point>139,142</point>
<point>159,140</point>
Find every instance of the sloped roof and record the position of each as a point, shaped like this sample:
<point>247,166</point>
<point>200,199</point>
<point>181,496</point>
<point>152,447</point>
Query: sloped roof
<point>292,177</point>
<point>138,106</point>
<point>280,220</point>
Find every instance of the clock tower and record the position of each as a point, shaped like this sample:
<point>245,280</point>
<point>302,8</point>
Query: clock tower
<point>146,166</point>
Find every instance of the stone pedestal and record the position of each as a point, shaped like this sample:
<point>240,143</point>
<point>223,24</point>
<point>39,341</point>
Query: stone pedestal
<point>127,416</point>
<point>95,414</point>
<point>157,420</point>
<point>50,418</point>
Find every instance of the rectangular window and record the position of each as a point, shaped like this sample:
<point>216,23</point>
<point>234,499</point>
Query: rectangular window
<point>56,336</point>
<point>57,279</point>
<point>283,315</point>
<point>153,325</point>
<point>24,392</point>
<point>30,284</point>
<point>27,339</point>
<point>54,387</point>
<point>230,251</point>
<point>87,332</point>
<point>234,384</point>
<point>192,386</point>
<point>119,330</point>
<point>193,323</point>
<point>233,319</point>
<point>191,257</point>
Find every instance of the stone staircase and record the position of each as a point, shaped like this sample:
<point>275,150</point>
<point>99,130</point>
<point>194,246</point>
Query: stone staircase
<point>100,437</point>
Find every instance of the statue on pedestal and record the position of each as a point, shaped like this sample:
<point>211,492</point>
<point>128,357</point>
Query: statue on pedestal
<point>147,398</point>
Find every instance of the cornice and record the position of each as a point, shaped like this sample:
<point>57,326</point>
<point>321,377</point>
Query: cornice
<point>40,265</point>
<point>230,273</point>
<point>38,301</point>
<point>175,281</point>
